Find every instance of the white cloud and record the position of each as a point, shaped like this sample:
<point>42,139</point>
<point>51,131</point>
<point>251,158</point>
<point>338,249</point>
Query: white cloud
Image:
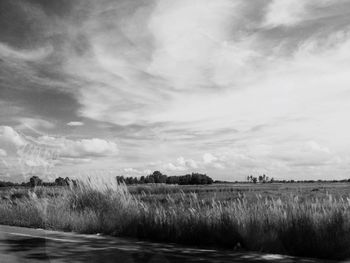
<point>44,150</point>
<point>307,154</point>
<point>293,12</point>
<point>3,153</point>
<point>93,146</point>
<point>134,171</point>
<point>37,162</point>
<point>172,167</point>
<point>75,123</point>
<point>81,148</point>
<point>314,146</point>
<point>209,158</point>
<point>219,166</point>
<point>131,170</point>
<point>188,163</point>
<point>194,44</point>
<point>211,161</point>
<point>285,12</point>
<point>8,134</point>
<point>181,164</point>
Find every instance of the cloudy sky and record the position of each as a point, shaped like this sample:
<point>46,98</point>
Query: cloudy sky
<point>230,88</point>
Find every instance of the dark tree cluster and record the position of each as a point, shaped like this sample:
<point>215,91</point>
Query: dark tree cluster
<point>159,178</point>
<point>36,181</point>
<point>261,179</point>
<point>64,182</point>
<point>7,184</point>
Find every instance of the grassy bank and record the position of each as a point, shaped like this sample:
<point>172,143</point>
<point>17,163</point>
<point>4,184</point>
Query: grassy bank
<point>316,226</point>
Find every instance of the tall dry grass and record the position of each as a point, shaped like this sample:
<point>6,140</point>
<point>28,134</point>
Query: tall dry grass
<point>313,227</point>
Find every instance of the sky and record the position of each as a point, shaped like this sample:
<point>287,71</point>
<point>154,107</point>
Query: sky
<point>126,87</point>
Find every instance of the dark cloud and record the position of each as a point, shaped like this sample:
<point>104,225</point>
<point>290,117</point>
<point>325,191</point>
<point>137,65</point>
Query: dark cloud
<point>35,43</point>
<point>22,25</point>
<point>48,103</point>
<point>61,8</point>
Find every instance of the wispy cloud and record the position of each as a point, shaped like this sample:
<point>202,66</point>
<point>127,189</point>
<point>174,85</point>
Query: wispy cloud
<point>24,55</point>
<point>75,123</point>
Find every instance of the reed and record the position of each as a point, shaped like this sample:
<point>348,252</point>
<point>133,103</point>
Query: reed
<point>313,227</point>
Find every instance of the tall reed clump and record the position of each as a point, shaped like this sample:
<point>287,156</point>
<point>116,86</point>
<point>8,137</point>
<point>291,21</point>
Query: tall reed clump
<point>93,206</point>
<point>314,228</point>
<point>20,212</point>
<point>108,202</point>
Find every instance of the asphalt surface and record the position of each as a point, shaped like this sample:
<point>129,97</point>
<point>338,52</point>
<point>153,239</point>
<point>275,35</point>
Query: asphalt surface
<point>19,244</point>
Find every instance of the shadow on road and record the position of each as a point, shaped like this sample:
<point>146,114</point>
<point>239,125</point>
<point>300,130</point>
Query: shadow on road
<point>66,247</point>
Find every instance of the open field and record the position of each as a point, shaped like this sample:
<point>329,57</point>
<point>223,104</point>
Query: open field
<point>310,220</point>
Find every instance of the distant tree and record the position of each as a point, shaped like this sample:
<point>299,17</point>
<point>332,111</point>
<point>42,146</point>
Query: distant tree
<point>266,179</point>
<point>158,177</point>
<point>263,178</point>
<point>64,182</point>
<point>150,179</point>
<point>60,181</point>
<point>252,179</point>
<point>35,181</point>
<point>120,179</point>
<point>173,180</point>
<point>129,180</point>
<point>142,180</point>
<point>194,178</point>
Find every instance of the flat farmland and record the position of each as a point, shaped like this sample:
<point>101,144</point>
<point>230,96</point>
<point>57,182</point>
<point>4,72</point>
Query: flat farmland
<point>227,192</point>
<point>299,219</point>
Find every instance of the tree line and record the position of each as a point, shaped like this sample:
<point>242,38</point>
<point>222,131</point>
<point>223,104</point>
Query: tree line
<point>265,179</point>
<point>36,181</point>
<point>158,178</point>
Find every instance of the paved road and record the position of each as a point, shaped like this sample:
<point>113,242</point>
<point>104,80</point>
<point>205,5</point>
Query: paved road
<point>37,245</point>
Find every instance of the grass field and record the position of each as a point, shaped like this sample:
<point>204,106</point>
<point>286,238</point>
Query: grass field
<point>298,219</point>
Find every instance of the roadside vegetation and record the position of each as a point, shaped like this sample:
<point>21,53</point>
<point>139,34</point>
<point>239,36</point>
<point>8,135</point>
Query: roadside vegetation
<point>310,220</point>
